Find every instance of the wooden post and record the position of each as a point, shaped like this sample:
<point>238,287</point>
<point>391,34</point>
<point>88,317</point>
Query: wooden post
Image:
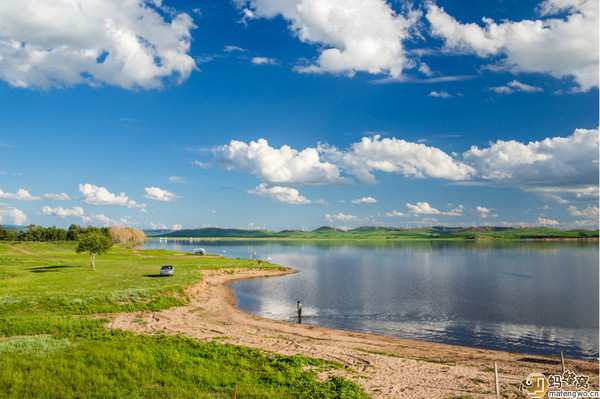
<point>235,391</point>
<point>562,361</point>
<point>496,378</point>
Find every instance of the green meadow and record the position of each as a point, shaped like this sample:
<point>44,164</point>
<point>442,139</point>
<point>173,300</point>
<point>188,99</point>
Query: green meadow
<point>54,344</point>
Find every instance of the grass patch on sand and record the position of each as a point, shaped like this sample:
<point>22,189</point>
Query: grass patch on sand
<point>54,344</point>
<point>377,352</point>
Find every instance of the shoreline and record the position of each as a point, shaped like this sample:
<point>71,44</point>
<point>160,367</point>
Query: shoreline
<point>386,367</point>
<point>456,239</point>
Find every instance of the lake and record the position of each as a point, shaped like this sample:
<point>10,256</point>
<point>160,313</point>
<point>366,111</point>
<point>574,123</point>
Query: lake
<point>528,297</point>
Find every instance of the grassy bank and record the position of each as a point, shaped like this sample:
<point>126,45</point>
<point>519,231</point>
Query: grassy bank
<point>53,343</point>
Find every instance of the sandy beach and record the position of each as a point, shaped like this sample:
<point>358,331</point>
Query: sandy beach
<point>385,367</point>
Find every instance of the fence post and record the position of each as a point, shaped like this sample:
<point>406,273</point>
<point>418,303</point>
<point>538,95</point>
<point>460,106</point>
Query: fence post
<point>235,391</point>
<point>496,378</point>
<point>562,361</point>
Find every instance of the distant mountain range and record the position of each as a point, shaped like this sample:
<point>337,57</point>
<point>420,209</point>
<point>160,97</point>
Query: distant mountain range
<point>371,232</point>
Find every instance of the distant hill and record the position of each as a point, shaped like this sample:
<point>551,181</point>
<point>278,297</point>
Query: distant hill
<point>212,232</point>
<point>157,232</point>
<point>13,227</point>
<point>371,232</point>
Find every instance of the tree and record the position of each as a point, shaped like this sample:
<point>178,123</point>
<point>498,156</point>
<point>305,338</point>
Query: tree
<point>127,236</point>
<point>74,231</point>
<point>93,243</point>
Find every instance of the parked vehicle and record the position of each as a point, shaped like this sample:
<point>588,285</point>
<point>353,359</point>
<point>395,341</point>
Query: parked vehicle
<point>167,270</point>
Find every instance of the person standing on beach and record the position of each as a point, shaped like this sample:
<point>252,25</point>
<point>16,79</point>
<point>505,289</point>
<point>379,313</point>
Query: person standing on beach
<point>299,313</point>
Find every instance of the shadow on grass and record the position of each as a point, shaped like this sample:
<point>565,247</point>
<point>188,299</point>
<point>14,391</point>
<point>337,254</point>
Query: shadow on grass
<point>153,275</point>
<point>541,361</point>
<point>48,269</point>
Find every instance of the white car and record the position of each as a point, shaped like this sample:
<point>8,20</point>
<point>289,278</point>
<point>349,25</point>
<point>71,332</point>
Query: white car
<point>167,270</point>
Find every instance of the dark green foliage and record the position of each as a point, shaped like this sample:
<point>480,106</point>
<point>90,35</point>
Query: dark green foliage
<point>8,234</point>
<point>93,242</point>
<point>40,233</point>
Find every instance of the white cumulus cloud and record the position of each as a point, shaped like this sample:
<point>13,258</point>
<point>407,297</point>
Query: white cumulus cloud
<point>364,200</point>
<point>263,61</point>
<point>423,208</point>
<point>558,46</point>
<point>484,212</point>
<point>395,213</point>
<point>99,219</point>
<point>547,222</point>
<point>57,197</point>
<point>591,212</point>
<point>282,194</point>
<point>162,226</point>
<point>585,224</point>
<point>555,166</point>
<point>324,165</point>
<point>77,211</point>
<point>558,168</point>
<point>20,195</point>
<point>278,165</point>
<point>130,44</point>
<point>94,195</point>
<point>440,94</point>
<point>158,194</point>
<point>353,35</point>
<point>61,212</point>
<point>12,215</point>
<point>394,155</point>
<point>340,217</point>
<point>202,165</point>
<point>515,86</point>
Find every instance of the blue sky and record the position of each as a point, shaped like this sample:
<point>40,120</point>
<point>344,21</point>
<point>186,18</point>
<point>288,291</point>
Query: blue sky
<point>299,113</point>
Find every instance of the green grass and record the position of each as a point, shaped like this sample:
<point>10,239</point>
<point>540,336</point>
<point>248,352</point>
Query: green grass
<point>377,352</point>
<point>54,345</point>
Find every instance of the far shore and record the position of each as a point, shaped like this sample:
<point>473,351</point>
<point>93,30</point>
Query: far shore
<point>403,239</point>
<point>385,367</point>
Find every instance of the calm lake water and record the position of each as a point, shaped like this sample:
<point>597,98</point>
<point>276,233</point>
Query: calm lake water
<point>529,297</point>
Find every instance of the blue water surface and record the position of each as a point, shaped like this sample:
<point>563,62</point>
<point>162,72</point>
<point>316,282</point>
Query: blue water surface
<point>527,297</point>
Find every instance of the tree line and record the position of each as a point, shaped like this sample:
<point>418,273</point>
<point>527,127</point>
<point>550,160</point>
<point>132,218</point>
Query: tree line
<point>53,233</point>
<point>123,236</point>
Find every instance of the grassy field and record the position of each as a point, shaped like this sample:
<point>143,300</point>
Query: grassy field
<point>53,343</point>
<point>379,233</point>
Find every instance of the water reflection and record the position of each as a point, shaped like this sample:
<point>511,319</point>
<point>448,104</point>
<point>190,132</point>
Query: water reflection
<point>531,297</point>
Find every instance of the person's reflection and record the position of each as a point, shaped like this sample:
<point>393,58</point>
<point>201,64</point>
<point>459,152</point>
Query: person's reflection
<point>299,313</point>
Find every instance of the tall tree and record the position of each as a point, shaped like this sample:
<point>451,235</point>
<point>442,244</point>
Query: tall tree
<point>74,231</point>
<point>93,243</point>
<point>127,236</point>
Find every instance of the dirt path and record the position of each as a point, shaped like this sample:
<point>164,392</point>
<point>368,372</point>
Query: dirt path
<point>137,253</point>
<point>402,369</point>
<point>23,250</point>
